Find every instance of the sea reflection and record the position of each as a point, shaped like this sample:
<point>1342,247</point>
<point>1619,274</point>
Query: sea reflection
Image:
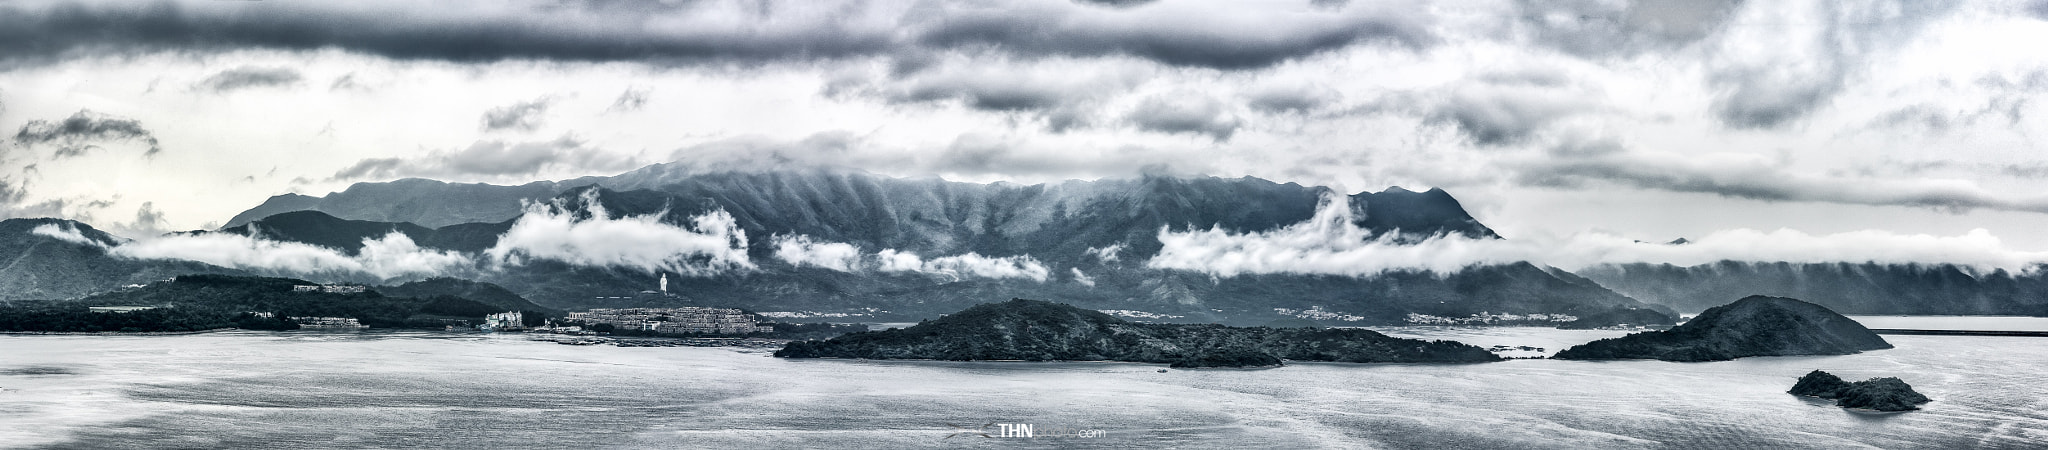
<point>413,389</point>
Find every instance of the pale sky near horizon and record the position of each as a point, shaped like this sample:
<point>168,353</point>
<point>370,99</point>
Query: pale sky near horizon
<point>1651,119</point>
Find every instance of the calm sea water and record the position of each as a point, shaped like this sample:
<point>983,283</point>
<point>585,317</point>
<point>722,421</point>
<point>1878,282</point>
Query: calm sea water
<point>1970,323</point>
<point>411,389</point>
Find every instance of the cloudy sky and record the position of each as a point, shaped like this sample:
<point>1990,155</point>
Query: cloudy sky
<point>1649,120</point>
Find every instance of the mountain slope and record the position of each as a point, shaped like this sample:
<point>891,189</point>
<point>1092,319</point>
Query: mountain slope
<point>1087,241</point>
<point>428,203</point>
<point>319,228</point>
<point>1849,288</point>
<point>40,266</point>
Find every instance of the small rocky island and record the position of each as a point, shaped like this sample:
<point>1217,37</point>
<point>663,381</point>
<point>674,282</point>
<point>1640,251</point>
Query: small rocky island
<point>1879,394</point>
<point>1031,330</point>
<point>1754,326</point>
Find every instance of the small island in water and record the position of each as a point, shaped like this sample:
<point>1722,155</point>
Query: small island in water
<point>1878,394</point>
<point>1753,326</point>
<point>1032,330</point>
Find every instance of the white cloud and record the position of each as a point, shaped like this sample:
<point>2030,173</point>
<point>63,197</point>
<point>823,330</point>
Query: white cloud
<point>890,260</point>
<point>800,250</point>
<point>1081,277</point>
<point>963,266</point>
<point>1330,244</point>
<point>1107,254</point>
<point>65,233</point>
<point>713,242</point>
<point>391,256</point>
<point>975,265</point>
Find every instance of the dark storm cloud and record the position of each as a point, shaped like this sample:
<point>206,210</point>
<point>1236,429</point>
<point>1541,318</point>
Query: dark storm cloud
<point>149,221</point>
<point>405,30</point>
<point>1813,54</point>
<point>755,153</point>
<point>2033,170</point>
<point>693,32</point>
<point>1185,113</point>
<point>968,153</point>
<point>1812,62</point>
<point>249,77</point>
<point>1767,97</point>
<point>1059,95</point>
<point>1601,29</point>
<point>1599,164</point>
<point>525,115</point>
<point>1497,108</point>
<point>82,132</point>
<point>1935,120</point>
<point>1296,98</point>
<point>370,168</point>
<point>1115,3</point>
<point>975,153</point>
<point>14,202</point>
<point>1178,37</point>
<point>488,159</point>
<point>2007,102</point>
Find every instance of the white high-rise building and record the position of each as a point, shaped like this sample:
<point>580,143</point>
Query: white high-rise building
<point>664,284</point>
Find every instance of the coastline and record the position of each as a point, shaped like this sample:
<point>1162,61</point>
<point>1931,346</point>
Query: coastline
<point>117,333</point>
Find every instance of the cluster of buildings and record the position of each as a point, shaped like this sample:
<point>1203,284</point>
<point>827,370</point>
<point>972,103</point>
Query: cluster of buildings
<point>328,322</point>
<point>1484,318</point>
<point>504,321</point>
<point>691,320</point>
<point>331,288</point>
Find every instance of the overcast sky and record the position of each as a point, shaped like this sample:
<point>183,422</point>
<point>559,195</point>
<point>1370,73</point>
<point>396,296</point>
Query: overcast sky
<point>1651,120</point>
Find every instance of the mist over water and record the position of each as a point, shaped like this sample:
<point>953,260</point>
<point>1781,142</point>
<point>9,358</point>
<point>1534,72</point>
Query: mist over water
<point>412,389</point>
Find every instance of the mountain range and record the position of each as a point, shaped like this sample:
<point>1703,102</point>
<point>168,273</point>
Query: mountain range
<point>827,243</point>
<point>834,243</point>
<point>1848,288</point>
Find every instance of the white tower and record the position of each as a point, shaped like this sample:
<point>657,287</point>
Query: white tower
<point>664,284</point>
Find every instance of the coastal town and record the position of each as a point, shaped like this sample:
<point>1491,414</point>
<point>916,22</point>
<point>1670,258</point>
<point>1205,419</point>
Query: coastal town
<point>682,320</point>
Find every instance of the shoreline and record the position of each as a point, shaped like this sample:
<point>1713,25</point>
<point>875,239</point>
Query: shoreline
<point>115,333</point>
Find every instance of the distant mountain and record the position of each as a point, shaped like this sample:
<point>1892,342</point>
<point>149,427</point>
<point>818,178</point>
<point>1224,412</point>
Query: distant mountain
<point>1849,288</point>
<point>1031,330</point>
<point>319,228</point>
<point>1088,240</point>
<point>1753,326</point>
<point>906,214</point>
<point>428,203</point>
<point>69,259</point>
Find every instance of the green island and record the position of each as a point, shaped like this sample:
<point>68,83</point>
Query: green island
<point>1032,330</point>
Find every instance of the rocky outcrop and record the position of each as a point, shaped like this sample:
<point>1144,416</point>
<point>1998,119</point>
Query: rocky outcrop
<point>1753,326</point>
<point>1819,384</point>
<point>1877,394</point>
